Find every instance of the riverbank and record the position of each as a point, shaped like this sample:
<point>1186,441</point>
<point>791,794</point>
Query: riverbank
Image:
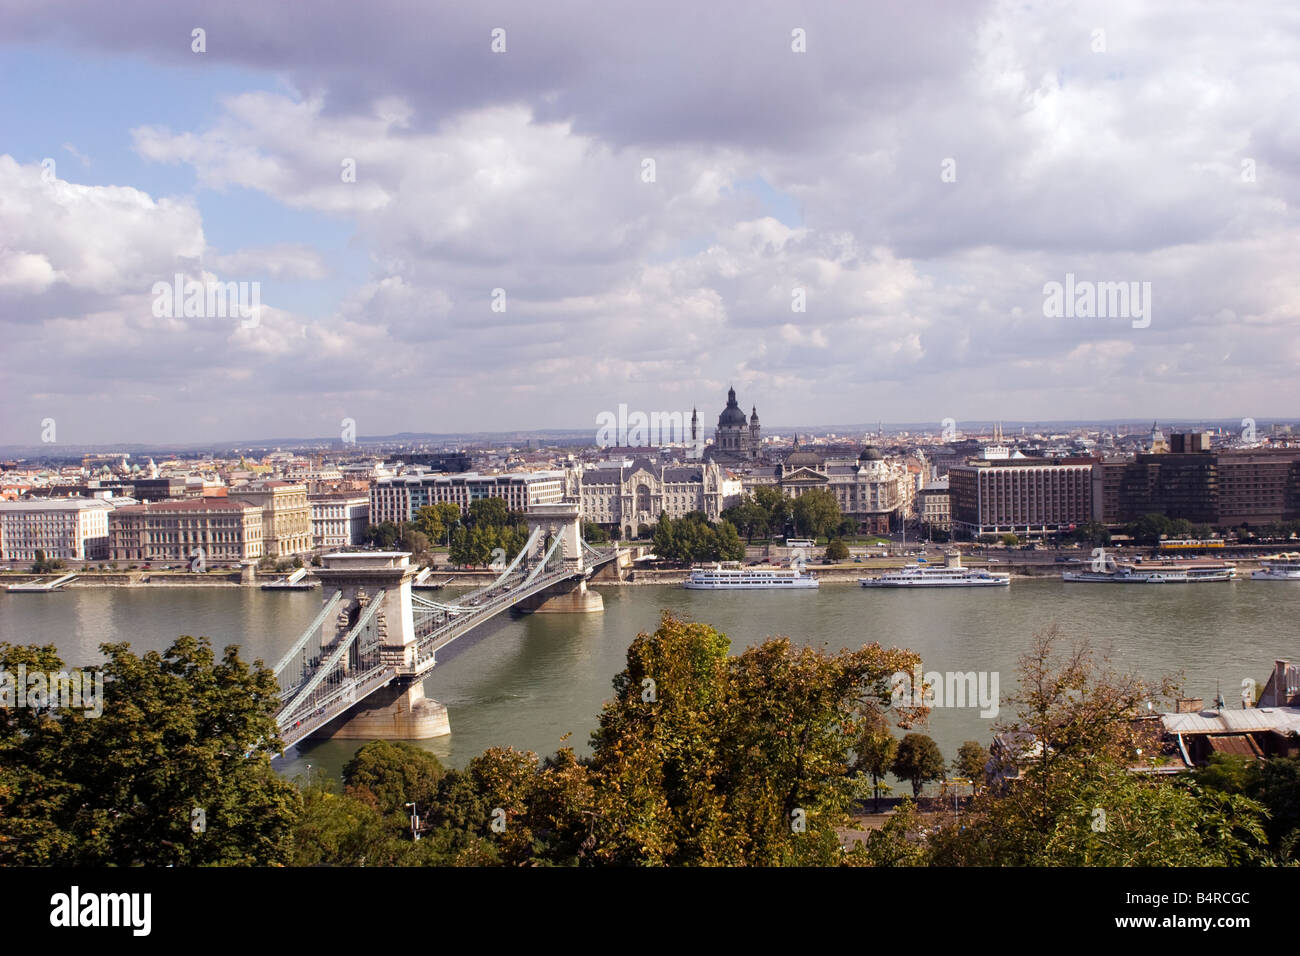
<point>832,574</point>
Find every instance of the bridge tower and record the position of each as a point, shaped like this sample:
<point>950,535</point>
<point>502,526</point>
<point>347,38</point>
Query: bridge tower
<point>398,711</point>
<point>562,520</point>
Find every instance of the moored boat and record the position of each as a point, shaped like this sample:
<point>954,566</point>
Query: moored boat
<point>719,578</point>
<point>951,575</point>
<point>1129,574</point>
<point>1279,567</point>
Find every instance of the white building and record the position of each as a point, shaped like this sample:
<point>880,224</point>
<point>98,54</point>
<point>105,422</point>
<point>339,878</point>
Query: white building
<point>339,519</point>
<point>75,528</point>
<point>399,497</point>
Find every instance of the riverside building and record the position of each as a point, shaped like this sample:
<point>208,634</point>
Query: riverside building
<point>1028,496</point>
<point>75,528</point>
<point>630,494</point>
<point>398,498</point>
<point>226,529</point>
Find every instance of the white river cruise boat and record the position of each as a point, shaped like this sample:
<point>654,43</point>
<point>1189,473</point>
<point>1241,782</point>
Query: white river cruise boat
<point>1128,574</point>
<point>719,578</point>
<point>951,575</point>
<point>1280,567</point>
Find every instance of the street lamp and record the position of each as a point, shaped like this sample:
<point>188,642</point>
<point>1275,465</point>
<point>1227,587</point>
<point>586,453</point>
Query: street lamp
<point>415,822</point>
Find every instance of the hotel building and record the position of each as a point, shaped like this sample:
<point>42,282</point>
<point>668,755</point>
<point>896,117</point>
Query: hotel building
<point>1028,496</point>
<point>399,497</point>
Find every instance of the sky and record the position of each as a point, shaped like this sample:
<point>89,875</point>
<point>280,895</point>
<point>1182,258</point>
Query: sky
<point>513,215</point>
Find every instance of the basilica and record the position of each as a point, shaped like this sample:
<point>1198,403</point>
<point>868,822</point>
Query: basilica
<point>736,439</point>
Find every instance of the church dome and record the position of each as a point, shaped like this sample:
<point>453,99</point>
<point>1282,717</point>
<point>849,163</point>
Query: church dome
<point>871,453</point>
<point>731,415</point>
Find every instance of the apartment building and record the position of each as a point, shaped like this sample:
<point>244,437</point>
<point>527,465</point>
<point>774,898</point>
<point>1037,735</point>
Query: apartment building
<point>72,528</point>
<point>933,505</point>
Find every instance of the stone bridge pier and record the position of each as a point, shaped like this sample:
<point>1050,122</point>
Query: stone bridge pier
<point>398,711</point>
<point>564,521</point>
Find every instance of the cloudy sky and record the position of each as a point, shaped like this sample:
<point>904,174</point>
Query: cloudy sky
<point>656,189</point>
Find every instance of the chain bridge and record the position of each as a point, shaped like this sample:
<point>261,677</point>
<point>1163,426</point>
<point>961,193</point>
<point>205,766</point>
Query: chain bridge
<point>358,669</point>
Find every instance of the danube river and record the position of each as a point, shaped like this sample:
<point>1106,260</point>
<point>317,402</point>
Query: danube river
<point>531,682</point>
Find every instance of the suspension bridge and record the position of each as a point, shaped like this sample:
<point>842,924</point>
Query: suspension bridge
<point>357,671</point>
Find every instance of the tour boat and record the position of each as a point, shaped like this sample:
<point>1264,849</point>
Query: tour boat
<point>718,578</point>
<point>1128,574</point>
<point>952,575</point>
<point>1280,567</point>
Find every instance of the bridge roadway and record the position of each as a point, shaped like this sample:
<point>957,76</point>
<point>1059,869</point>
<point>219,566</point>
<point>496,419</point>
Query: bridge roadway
<point>432,637</point>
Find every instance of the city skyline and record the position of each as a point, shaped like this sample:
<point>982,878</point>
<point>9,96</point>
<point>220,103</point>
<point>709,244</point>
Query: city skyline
<point>903,215</point>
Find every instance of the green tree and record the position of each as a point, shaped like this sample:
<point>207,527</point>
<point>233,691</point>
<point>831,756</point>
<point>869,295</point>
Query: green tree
<point>489,512</point>
<point>179,730</point>
<point>749,517</point>
<point>702,758</point>
<point>972,756</point>
<point>382,536</point>
<point>837,550</point>
<point>1074,800</point>
<point>1010,540</point>
<point>776,504</point>
<point>389,774</point>
<point>897,843</point>
<point>918,761</point>
<point>875,749</point>
<point>428,521</point>
<point>594,533</point>
<point>816,512</point>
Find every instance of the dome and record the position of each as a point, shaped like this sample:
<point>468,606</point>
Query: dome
<point>803,459</point>
<point>871,453</point>
<point>731,415</point>
<point>753,419</point>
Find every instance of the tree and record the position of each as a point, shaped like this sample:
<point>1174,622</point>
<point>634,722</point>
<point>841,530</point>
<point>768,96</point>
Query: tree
<point>972,756</point>
<point>875,749</point>
<point>749,517</point>
<point>816,512</point>
<point>179,730</point>
<point>776,504</point>
<point>702,758</point>
<point>382,536</point>
<point>490,512</point>
<point>1073,799</point>
<point>387,775</point>
<point>412,540</point>
<point>1010,540</point>
<point>1149,529</point>
<point>429,522</point>
<point>918,761</point>
<point>593,533</point>
<point>837,550</point>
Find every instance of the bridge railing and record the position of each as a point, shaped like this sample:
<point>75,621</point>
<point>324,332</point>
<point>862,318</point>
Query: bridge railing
<point>329,667</point>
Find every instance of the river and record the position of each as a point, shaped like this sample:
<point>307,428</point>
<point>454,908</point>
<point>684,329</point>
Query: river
<point>529,681</point>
